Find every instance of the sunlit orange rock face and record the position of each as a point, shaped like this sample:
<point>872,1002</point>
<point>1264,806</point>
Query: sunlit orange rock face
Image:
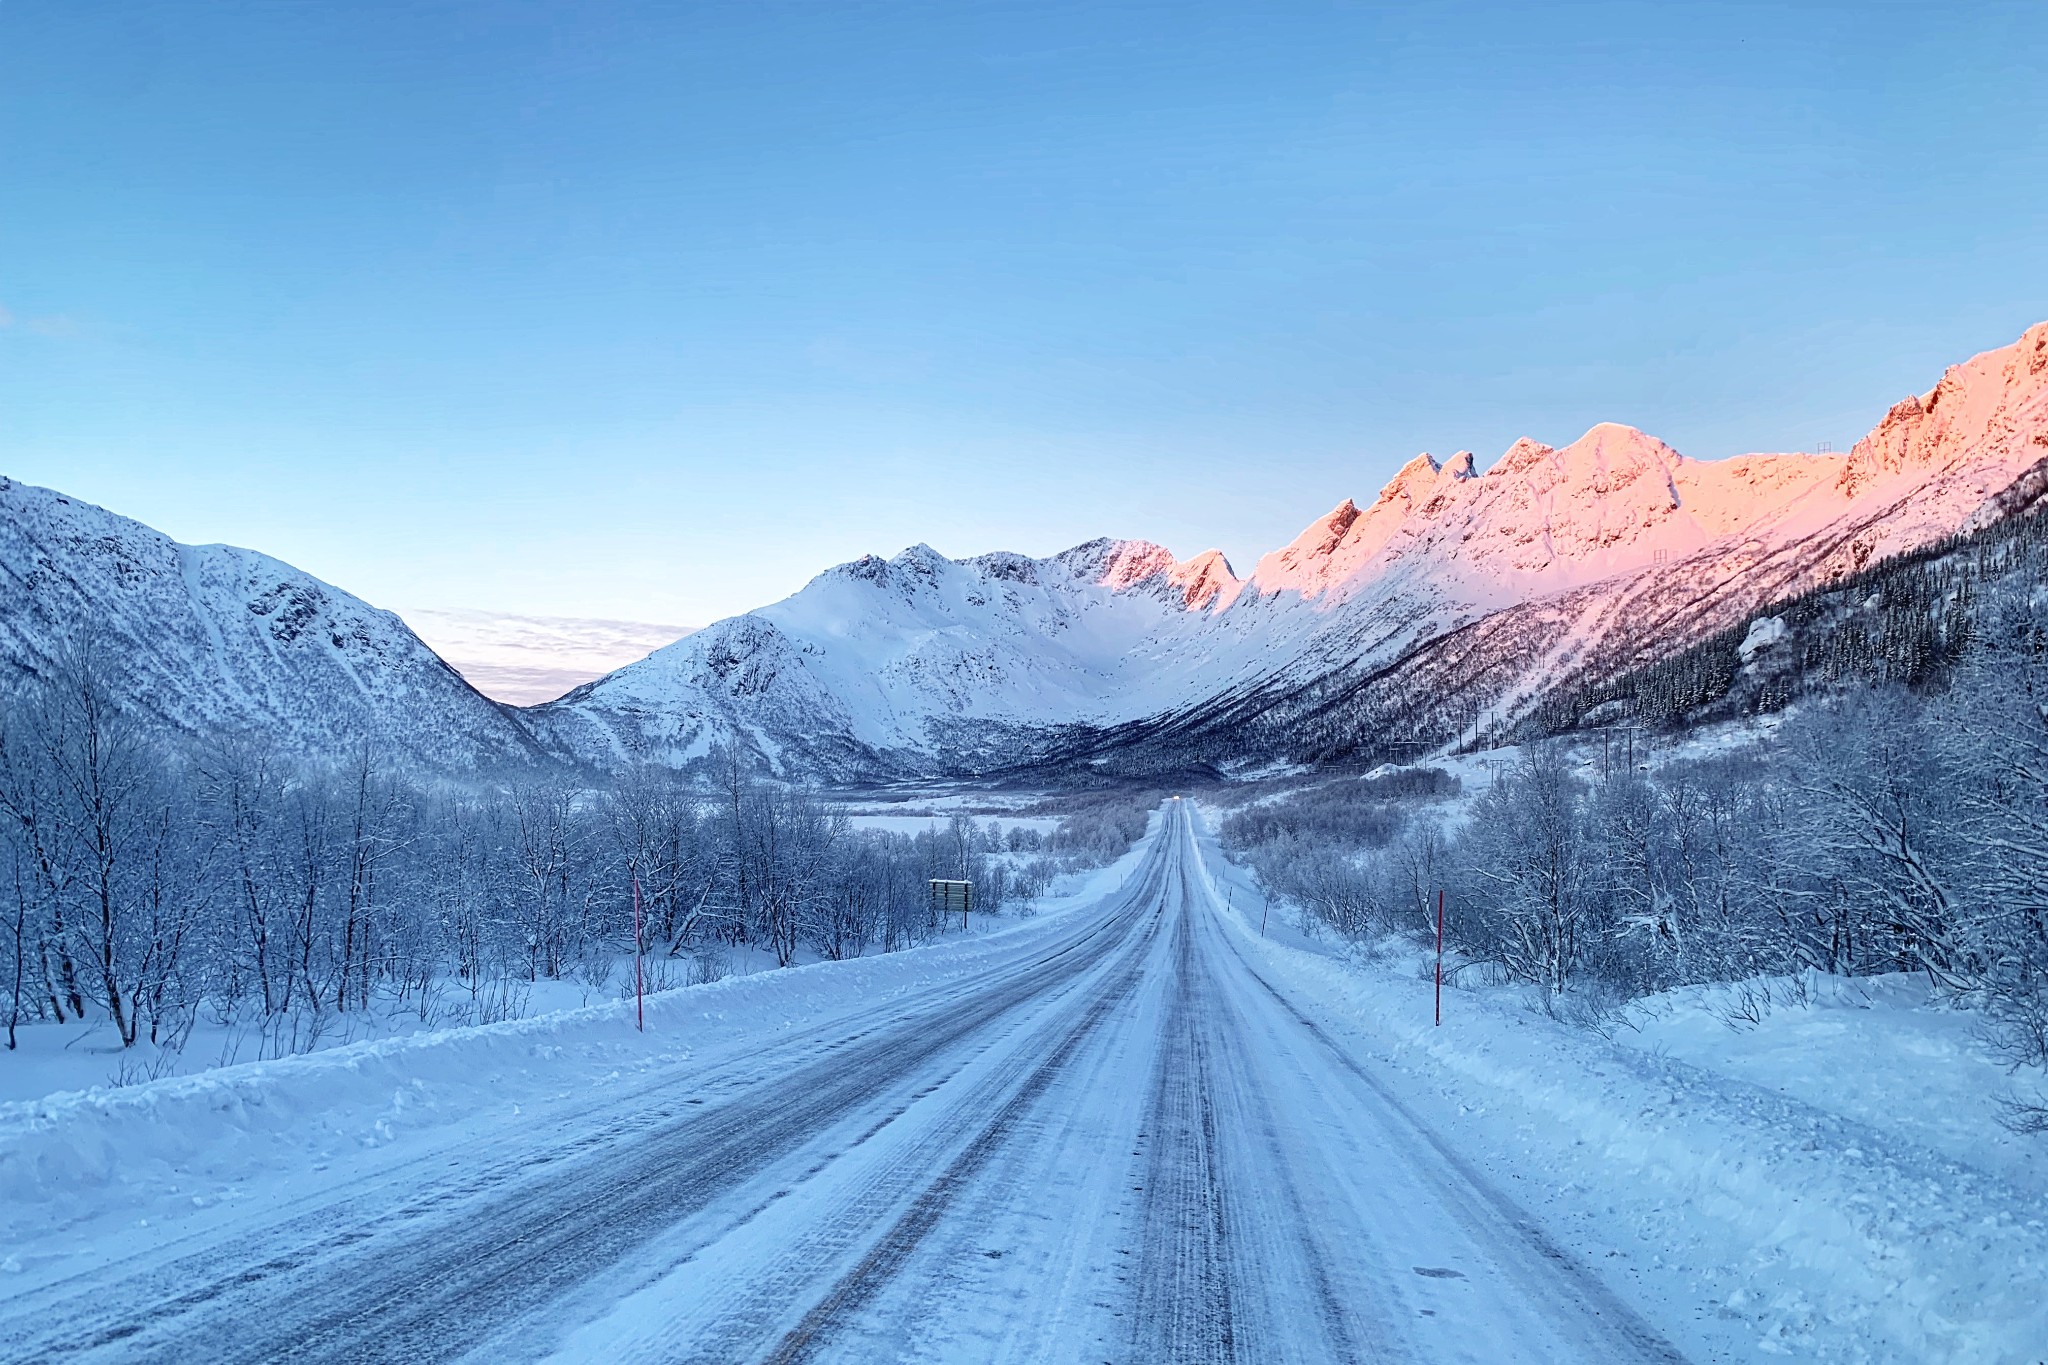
<point>1451,591</point>
<point>1617,500</point>
<point>1990,410</point>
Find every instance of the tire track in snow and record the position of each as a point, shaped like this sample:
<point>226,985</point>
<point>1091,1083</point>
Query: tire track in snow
<point>1291,1308</point>
<point>1542,1271</point>
<point>407,1286</point>
<point>887,1257</point>
<point>1183,1309</point>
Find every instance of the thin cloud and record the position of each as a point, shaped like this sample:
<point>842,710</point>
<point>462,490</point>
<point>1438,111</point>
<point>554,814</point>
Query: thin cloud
<point>57,325</point>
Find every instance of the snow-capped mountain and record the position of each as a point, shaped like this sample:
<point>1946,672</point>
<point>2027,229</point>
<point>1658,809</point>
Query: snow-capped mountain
<point>204,639</point>
<point>1454,596</point>
<point>907,664</point>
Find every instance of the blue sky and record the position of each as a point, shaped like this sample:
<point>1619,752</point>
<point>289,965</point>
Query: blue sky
<point>652,311</point>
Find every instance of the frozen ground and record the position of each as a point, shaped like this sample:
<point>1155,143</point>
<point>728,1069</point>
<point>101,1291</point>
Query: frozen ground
<point>51,1058</point>
<point>1134,1130</point>
<point>1828,1183</point>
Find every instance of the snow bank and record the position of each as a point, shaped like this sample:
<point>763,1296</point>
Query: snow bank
<point>1823,1212</point>
<point>167,1147</point>
<point>1883,1051</point>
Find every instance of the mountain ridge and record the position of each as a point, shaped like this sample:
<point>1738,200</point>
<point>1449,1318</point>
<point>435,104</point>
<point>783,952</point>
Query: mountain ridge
<point>1586,553</point>
<point>207,640</point>
<point>1453,595</point>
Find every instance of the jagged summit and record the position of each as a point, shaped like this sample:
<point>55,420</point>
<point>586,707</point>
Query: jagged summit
<point>1615,535</point>
<point>1494,588</point>
<point>1538,507</point>
<point>1993,403</point>
<point>1207,581</point>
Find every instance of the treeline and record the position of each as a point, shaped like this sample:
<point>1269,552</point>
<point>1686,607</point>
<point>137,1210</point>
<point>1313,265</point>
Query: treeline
<point>1880,831</point>
<point>146,882</point>
<point>1908,620</point>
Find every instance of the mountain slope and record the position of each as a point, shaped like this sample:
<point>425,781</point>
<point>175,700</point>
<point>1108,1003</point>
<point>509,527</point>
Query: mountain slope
<point>209,638</point>
<point>909,665</point>
<point>1455,599</point>
<point>1455,596</point>
<point>1591,594</point>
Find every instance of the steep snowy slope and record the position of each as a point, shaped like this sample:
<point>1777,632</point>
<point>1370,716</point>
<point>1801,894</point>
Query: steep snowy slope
<point>912,664</point>
<point>1561,568</point>
<point>1454,594</point>
<point>205,638</point>
<point>1617,501</point>
<point>1456,597</point>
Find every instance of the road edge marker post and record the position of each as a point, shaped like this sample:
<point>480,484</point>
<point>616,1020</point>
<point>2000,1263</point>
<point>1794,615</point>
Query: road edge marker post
<point>1439,959</point>
<point>639,979</point>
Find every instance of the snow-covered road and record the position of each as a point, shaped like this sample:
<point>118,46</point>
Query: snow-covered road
<point>1118,1142</point>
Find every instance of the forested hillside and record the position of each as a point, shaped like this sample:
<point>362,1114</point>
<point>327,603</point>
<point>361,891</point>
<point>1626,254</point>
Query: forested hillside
<point>1908,620</point>
<point>1894,820</point>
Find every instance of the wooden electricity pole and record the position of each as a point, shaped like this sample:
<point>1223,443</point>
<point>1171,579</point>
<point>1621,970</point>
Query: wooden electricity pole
<point>1439,959</point>
<point>639,977</point>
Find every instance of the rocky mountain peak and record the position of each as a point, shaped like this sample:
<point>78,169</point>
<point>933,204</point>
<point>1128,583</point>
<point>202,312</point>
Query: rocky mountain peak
<point>1994,404</point>
<point>1206,581</point>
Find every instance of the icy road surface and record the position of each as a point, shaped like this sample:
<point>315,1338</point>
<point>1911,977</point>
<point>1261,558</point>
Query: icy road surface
<point>1119,1143</point>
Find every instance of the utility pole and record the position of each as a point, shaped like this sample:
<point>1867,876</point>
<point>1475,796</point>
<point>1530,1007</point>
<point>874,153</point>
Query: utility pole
<point>639,978</point>
<point>1439,959</point>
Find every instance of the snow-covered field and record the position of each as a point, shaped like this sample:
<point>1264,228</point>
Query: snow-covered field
<point>920,821</point>
<point>1829,1183</point>
<point>1131,1127</point>
<point>89,1154</point>
<point>75,1055</point>
<point>1883,1052</point>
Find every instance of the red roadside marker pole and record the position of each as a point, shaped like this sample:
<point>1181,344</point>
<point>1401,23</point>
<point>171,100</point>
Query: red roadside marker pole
<point>1439,959</point>
<point>639,981</point>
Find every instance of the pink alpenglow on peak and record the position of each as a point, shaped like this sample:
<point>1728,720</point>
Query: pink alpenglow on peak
<point>1556,560</point>
<point>1617,500</point>
<point>1995,403</point>
<point>1203,583</point>
<point>1207,581</point>
<point>1131,562</point>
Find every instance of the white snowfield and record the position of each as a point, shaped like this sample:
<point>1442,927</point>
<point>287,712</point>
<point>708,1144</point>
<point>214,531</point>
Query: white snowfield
<point>1487,589</point>
<point>1133,1130</point>
<point>1578,556</point>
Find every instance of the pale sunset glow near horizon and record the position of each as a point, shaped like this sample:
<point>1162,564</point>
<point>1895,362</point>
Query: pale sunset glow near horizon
<point>649,313</point>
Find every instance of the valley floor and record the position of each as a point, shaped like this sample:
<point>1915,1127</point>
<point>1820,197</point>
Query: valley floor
<point>1133,1131</point>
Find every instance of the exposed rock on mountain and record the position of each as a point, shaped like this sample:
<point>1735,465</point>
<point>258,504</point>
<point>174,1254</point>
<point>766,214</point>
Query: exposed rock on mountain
<point>1453,600</point>
<point>211,639</point>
